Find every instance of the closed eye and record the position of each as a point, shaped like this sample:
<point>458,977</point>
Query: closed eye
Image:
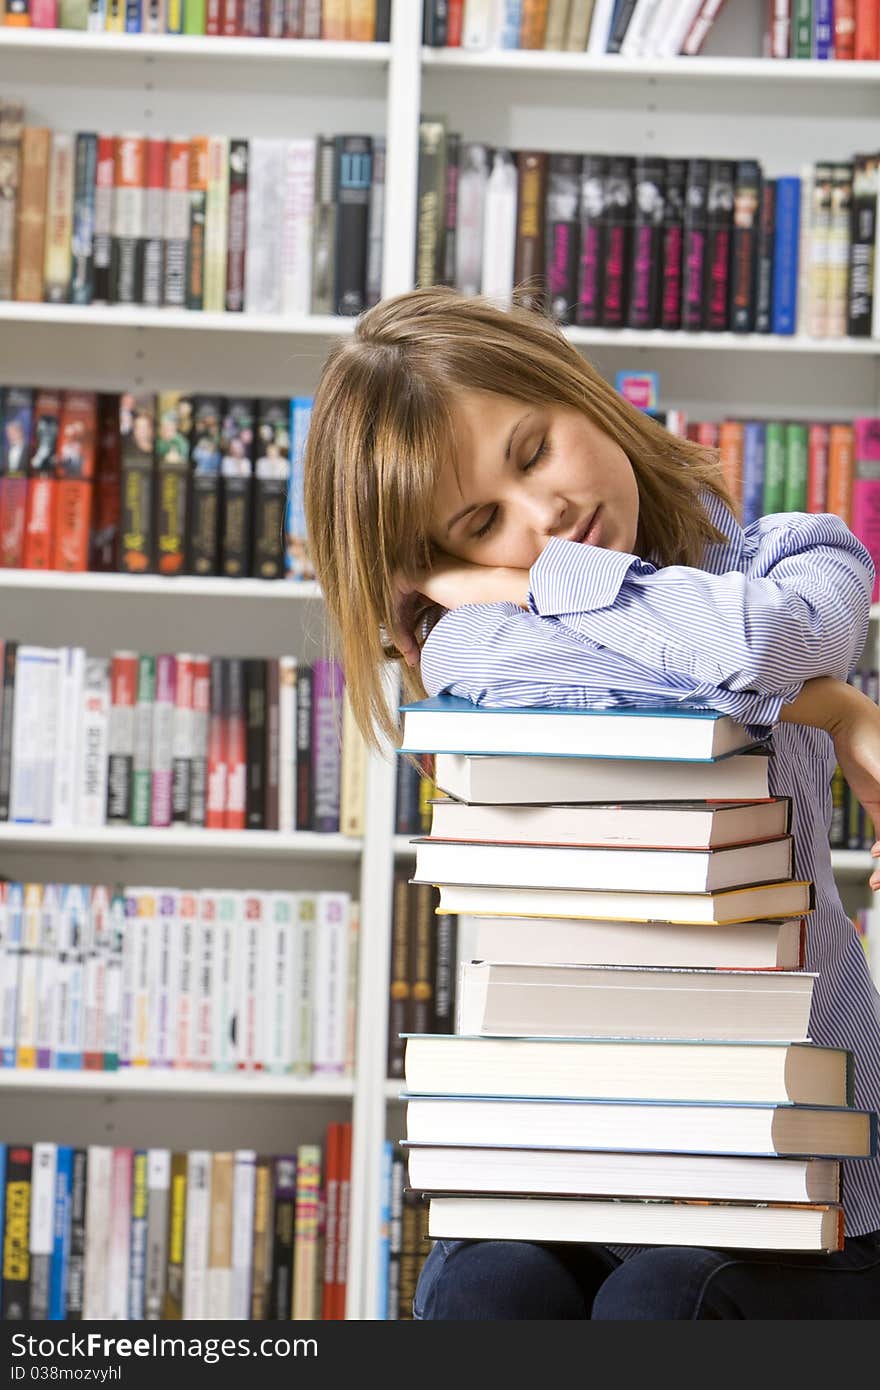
<point>542,450</point>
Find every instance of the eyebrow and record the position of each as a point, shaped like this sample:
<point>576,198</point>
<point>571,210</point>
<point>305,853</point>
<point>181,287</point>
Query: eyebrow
<point>465,511</point>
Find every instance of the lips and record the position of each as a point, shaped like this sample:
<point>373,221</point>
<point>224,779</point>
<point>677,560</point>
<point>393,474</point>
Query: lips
<point>587,535</point>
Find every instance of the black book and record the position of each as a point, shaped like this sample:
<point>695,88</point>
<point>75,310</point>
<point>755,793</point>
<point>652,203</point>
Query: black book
<point>445,947</point>
<point>137,439</point>
<point>173,439</point>
<point>744,245</point>
<point>623,13</point>
<point>694,252</point>
<point>352,175</point>
<point>591,240</point>
<point>435,21</point>
<point>205,455</point>
<point>7,700</point>
<point>82,279</point>
<point>863,235</point>
<point>77,1257</point>
<point>402,926</point>
<point>672,245</point>
<point>284,1207</point>
<point>16,1303</point>
<point>383,21</point>
<point>305,795</point>
<point>453,163</point>
<point>562,235</point>
<point>236,242</point>
<point>647,240</point>
<point>255,696</point>
<point>719,229</point>
<point>764,258</point>
<point>618,227</point>
<point>236,472</point>
<point>271,476</point>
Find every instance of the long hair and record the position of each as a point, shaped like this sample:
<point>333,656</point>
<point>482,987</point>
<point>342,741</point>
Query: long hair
<point>382,428</point>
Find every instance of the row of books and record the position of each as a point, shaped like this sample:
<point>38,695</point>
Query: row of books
<point>123,1233</point>
<point>261,225</point>
<point>662,1097</point>
<point>829,29</point>
<point>650,242</point>
<point>225,743</point>
<point>422,967</point>
<point>153,482</point>
<point>403,1238</point>
<point>357,21</point>
<point>99,978</point>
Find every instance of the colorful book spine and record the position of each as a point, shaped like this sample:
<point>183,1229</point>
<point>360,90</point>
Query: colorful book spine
<point>141,787</point>
<point>785,255</point>
<point>865,522</point>
<point>161,751</point>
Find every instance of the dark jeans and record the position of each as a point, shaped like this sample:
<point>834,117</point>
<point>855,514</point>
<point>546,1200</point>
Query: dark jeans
<point>507,1279</point>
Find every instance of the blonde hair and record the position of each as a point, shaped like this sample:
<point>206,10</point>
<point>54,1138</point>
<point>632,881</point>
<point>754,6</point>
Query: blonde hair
<point>382,427</point>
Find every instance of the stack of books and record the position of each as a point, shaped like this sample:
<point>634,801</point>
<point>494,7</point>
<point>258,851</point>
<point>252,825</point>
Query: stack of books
<point>632,1061</point>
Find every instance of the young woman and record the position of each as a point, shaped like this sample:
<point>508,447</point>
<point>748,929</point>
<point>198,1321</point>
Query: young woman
<point>476,492</point>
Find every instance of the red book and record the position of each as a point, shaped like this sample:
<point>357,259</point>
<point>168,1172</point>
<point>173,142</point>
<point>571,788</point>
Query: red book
<point>232,15</point>
<point>343,1220</point>
<point>213,18</point>
<point>74,473</point>
<point>819,442</point>
<point>235,813</point>
<point>332,1168</point>
<point>15,451</point>
<point>845,29</point>
<point>778,35</point>
<point>105,491</point>
<point>454,20</point>
<point>215,814</point>
<point>41,482</point>
<point>699,31</point>
<point>867,43</point>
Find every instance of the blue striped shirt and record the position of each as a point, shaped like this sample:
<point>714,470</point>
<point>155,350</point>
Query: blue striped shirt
<point>772,606</point>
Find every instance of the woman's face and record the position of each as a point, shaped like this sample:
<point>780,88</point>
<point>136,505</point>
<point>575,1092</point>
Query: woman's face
<point>526,474</point>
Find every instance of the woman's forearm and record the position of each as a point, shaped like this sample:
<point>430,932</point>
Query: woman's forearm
<point>822,703</point>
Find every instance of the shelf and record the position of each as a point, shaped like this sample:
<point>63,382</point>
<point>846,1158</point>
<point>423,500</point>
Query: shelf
<point>70,42</point>
<point>614,68</point>
<point>156,585</point>
<point>775,343</point>
<point>172,320</point>
<point>191,1084</point>
<point>305,844</point>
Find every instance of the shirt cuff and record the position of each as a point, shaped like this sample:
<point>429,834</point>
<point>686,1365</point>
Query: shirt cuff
<point>570,577</point>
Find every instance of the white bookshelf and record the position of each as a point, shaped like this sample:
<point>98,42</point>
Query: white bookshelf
<point>786,112</point>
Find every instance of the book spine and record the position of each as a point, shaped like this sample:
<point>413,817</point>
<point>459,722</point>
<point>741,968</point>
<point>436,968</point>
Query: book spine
<point>119,1236</point>
<point>305,929</point>
<point>265,211</point>
<point>618,227</point>
<point>77,1239</point>
<point>863,236</point>
<point>113,1017</point>
<point>16,1234</point>
<point>430,201</point>
<point>82,277</point>
<point>865,523</point>
<point>695,243</point>
<point>216,223</point>
<point>97,948</point>
<point>262,1243</point>
<point>201,719</point>
<point>269,501</point>
<point>352,177</point>
<point>243,1201</point>
<point>278,973</point>
<point>40,511</point>
<point>137,429</point>
<point>744,246</point>
<point>281,1290</point>
<point>818,448</point>
<point>185,992</point>
<point>785,256</point>
<point>176,224</point>
<point>305,1237</point>
<point>74,475</point>
<point>172,482</point>
<point>840,471</point>
<point>11,123</point>
<point>331,1217</point>
<point>197,187</point>
<point>225,1012</point>
<point>41,1234</point>
<point>13,906</point>
<point>838,249</point>
<point>205,483</point>
<point>172,1306</point>
<point>97,1231</point>
<point>398,1001</point>
<point>646,243</point>
<point>18,428</point>
<point>153,249</point>
<point>331,978</point>
<point>720,202</point>
<point>197,1232</point>
<point>121,737</point>
<point>31,226</point>
<point>143,739</point>
<point>529,247</point>
<point>69,1020</point>
<point>218,1279</point>
<point>304,779</point>
<point>71,678</point>
<point>327,694</point>
<point>237,225</point>
<point>158,1214</point>
<point>766,240</point>
<point>287,753</point>
<point>137,1268</point>
<point>47,975</point>
<point>129,219</point>
<point>182,741</point>
<point>104,539</point>
<point>59,219</point>
<point>236,745</point>
<point>250,1022</point>
<point>218,765</point>
<point>563,190</point>
<point>161,752</point>
<point>752,471</point>
<point>343,1223</point>
<point>376,216</point>
<point>164,981</point>
<point>672,245</point>
<point>7,708</point>
<point>296,241</point>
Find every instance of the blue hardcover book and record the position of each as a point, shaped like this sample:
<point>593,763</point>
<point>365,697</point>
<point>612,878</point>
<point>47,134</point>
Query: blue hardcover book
<point>823,28</point>
<point>511,21</point>
<point>132,16</point>
<point>754,432</point>
<point>449,724</point>
<point>785,254</point>
<point>297,562</point>
<point>60,1266</point>
<point>384,1230</point>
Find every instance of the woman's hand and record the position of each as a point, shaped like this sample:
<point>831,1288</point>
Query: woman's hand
<point>450,582</point>
<point>856,735</point>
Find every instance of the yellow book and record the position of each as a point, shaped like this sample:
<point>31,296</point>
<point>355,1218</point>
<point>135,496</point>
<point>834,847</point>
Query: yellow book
<point>305,1304</point>
<point>334,20</point>
<point>353,773</point>
<point>216,215</point>
<point>361,20</point>
<point>58,262</point>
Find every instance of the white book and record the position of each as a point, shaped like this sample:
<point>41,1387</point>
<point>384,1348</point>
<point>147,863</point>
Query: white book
<point>249,1008</point>
<point>68,1013</point>
<point>113,1016</point>
<point>600,28</point>
<point>473,181</point>
<point>92,761</point>
<point>216,222</point>
<point>41,1235</point>
<point>304,944</point>
<point>158,1196</point>
<point>477,24</point>
<point>802,325</point>
<point>28,976</point>
<point>187,974</point>
<point>287,668</point>
<point>505,24</point>
<point>145,938</point>
<point>354,933</point>
<point>244,1186</point>
<point>666,38</point>
<point>331,983</point>
<point>576,26</point>
<point>47,747</point>
<point>118,1272</point>
<point>12,913</point>
<point>875,288</point>
<point>128,979</point>
<point>499,228</point>
<point>28,731</point>
<point>96,955</point>
<point>296,243</point>
<point>71,684</point>
<point>99,1169</point>
<point>165,987</point>
<point>265,212</point>
<point>279,977</point>
<point>640,22</point>
<point>206,968</point>
<point>229,937</point>
<point>47,972</point>
<point>196,1233</point>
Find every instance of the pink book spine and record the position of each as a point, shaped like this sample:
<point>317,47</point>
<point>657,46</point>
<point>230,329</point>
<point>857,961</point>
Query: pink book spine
<point>44,14</point>
<point>865,524</point>
<point>120,1229</point>
<point>163,740</point>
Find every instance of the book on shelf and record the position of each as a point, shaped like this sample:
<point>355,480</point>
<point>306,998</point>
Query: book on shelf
<point>634,1002</point>
<point>614,1067</point>
<point>449,724</point>
<point>443,1167</point>
<point>745,1128</point>
<point>777,1226</point>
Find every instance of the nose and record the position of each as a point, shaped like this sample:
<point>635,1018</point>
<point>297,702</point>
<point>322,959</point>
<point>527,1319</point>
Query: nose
<point>545,512</point>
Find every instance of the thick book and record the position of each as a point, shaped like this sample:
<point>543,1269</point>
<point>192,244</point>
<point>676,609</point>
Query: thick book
<point>591,247</point>
<point>743,249</point>
<point>618,214</point>
<point>563,196</point>
<point>606,868</point>
<point>647,236</point>
<point>561,1172</point>
<point>680,1222</point>
<point>634,1002</point>
<point>672,243</point>
<point>616,1068</point>
<point>784,304</point>
<point>661,824</point>
<point>353,157</point>
<point>749,1129</point>
<point>205,455</point>
<point>695,243</point>
<point>765,251</point>
<point>719,218</point>
<point>449,724</point>
<point>529,244</point>
<point>137,414</point>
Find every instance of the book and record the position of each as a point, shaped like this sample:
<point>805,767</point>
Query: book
<point>449,724</point>
<point>746,1128</point>
<point>680,1222</point>
<point>773,945</point>
<point>463,1168</point>
<point>615,1068</point>
<point>634,1001</point>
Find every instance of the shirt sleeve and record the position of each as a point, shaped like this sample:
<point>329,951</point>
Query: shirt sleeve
<point>800,610</point>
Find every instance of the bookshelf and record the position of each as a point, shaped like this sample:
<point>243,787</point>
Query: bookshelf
<point>159,84</point>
